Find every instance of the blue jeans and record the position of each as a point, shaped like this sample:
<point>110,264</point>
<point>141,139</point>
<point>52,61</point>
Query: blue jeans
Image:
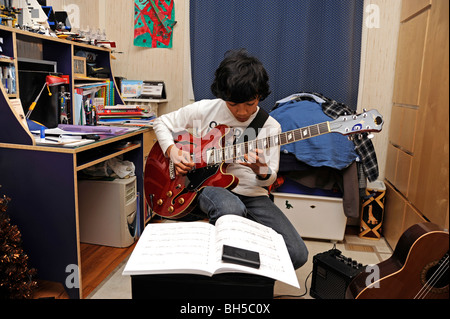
<point>216,202</point>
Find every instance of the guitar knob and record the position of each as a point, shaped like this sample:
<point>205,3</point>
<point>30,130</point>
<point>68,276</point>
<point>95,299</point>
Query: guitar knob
<point>169,194</point>
<point>170,209</point>
<point>181,201</point>
<point>160,202</point>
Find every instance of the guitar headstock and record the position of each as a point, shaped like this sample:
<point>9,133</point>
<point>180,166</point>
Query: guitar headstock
<point>369,121</point>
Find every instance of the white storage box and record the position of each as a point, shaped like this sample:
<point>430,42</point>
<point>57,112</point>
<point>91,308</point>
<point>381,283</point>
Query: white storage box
<point>319,217</point>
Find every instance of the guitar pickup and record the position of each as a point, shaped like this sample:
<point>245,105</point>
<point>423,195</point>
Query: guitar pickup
<point>171,170</point>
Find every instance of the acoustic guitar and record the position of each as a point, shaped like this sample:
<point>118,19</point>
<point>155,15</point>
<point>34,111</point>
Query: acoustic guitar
<point>418,268</point>
<point>173,196</point>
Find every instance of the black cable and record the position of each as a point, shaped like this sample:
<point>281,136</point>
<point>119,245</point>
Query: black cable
<point>298,296</point>
<point>306,287</point>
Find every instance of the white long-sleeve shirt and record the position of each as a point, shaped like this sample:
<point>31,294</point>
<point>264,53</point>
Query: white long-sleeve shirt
<point>203,116</point>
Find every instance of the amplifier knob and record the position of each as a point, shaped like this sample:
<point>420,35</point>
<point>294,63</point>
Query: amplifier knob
<point>170,209</point>
<point>169,194</point>
<point>181,201</point>
<point>160,202</point>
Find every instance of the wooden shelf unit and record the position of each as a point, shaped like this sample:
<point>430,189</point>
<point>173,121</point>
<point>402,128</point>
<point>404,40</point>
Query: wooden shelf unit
<point>42,181</point>
<point>23,44</point>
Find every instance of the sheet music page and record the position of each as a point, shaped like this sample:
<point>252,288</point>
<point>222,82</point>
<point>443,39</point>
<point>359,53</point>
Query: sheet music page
<point>182,247</point>
<point>244,233</point>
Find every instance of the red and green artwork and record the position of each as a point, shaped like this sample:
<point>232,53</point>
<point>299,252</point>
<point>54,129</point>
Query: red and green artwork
<point>153,23</point>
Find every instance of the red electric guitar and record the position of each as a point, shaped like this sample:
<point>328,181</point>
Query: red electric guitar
<point>173,196</point>
<point>418,268</point>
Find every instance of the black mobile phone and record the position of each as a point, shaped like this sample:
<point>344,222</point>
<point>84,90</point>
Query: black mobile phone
<point>240,256</point>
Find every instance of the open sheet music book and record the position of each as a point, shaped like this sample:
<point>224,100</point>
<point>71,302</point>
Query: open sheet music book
<point>196,248</point>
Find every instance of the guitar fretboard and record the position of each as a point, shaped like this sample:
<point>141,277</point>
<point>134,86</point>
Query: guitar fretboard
<point>230,153</point>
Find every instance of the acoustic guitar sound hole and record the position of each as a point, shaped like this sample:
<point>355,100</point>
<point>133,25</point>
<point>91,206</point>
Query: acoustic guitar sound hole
<point>436,275</point>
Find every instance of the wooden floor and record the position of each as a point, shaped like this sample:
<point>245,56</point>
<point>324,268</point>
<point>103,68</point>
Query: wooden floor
<point>97,262</point>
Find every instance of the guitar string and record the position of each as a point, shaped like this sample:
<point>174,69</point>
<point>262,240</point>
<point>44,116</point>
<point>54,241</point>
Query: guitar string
<point>444,266</point>
<point>428,286</point>
<point>434,279</point>
<point>298,134</point>
<point>437,275</point>
<point>274,140</point>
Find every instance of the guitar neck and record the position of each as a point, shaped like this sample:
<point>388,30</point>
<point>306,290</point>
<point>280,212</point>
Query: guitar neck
<point>369,121</point>
<point>232,152</point>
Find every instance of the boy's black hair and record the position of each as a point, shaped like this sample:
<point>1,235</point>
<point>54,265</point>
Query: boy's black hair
<point>240,78</point>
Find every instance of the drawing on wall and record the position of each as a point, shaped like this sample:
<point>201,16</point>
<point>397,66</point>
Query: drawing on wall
<point>153,23</point>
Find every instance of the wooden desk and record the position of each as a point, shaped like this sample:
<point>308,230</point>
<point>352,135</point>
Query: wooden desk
<point>42,183</point>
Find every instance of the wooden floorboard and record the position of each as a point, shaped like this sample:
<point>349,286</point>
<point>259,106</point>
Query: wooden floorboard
<point>97,262</point>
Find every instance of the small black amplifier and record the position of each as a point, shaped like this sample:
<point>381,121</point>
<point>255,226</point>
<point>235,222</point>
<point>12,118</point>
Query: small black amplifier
<point>332,273</point>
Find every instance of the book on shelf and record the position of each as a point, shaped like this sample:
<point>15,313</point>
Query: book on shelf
<point>123,107</point>
<point>118,112</point>
<point>147,122</point>
<point>125,115</point>
<point>196,248</point>
<point>8,78</point>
